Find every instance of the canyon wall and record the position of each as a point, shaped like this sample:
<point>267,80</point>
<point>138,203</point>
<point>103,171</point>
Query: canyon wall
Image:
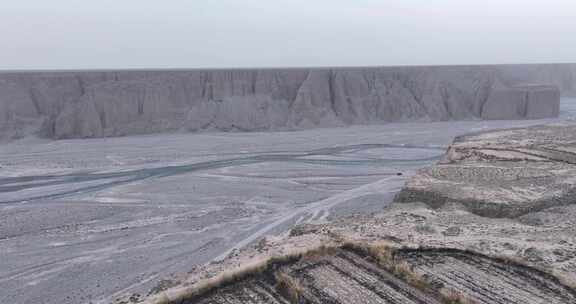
<point>116,103</point>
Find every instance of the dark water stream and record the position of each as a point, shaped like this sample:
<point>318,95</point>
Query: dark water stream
<point>112,179</point>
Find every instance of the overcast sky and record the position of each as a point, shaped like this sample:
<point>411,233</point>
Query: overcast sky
<point>75,34</point>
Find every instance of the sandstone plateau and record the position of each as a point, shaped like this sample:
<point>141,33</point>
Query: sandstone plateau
<point>493,222</point>
<point>115,103</point>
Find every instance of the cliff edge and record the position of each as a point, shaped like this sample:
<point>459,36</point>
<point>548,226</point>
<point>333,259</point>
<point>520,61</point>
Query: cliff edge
<point>116,103</point>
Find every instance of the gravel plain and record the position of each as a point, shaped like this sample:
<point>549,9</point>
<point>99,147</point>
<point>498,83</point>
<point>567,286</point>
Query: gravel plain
<point>87,220</point>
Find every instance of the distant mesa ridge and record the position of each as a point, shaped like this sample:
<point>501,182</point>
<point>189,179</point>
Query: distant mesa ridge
<point>115,103</point>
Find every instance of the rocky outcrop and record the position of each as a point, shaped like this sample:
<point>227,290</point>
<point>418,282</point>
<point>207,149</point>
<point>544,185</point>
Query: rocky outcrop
<point>115,103</point>
<point>339,276</point>
<point>505,173</point>
<point>390,258</point>
<point>352,276</point>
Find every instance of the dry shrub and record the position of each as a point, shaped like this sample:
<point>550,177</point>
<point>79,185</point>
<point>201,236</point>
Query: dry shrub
<point>384,255</point>
<point>289,286</point>
<point>404,271</point>
<point>451,296</point>
<point>382,252</point>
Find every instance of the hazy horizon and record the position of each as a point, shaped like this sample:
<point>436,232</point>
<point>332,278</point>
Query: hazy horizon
<point>146,34</point>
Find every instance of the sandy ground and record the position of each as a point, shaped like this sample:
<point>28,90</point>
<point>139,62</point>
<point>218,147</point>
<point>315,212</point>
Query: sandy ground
<point>83,221</point>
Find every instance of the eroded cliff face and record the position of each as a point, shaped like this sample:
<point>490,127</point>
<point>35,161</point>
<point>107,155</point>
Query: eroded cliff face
<point>95,104</point>
<point>518,102</point>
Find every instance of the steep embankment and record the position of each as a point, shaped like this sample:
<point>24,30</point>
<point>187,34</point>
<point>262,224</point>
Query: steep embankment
<point>114,103</point>
<point>502,174</point>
